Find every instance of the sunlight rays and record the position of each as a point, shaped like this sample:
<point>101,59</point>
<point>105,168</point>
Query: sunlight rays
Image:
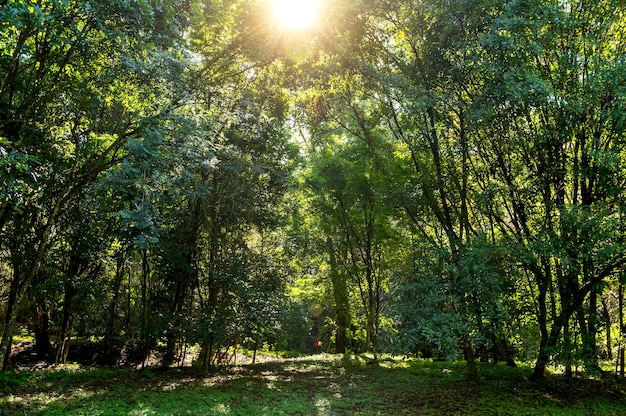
<point>295,14</point>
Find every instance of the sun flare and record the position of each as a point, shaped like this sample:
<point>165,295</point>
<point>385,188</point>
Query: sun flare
<point>295,14</point>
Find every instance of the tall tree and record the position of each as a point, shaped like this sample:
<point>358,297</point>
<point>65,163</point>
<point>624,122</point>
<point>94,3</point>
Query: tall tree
<point>555,144</point>
<point>499,133</point>
<point>406,99</point>
<point>78,84</point>
<point>348,197</point>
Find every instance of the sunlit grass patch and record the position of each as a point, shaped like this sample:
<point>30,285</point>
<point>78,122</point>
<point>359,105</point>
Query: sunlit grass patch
<point>321,385</point>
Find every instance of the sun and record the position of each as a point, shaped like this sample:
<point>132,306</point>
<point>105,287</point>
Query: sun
<point>295,14</point>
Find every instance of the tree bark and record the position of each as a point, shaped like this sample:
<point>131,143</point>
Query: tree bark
<point>10,319</point>
<point>342,309</point>
<point>145,271</point>
<point>607,323</point>
<point>543,357</point>
<point>119,274</point>
<point>621,328</point>
<point>549,344</point>
<point>64,334</point>
<point>470,359</point>
<point>43,346</point>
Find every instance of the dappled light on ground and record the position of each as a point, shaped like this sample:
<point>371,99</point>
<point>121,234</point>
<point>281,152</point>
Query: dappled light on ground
<point>320,385</point>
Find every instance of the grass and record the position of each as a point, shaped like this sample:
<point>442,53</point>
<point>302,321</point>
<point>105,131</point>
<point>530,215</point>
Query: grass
<point>321,385</point>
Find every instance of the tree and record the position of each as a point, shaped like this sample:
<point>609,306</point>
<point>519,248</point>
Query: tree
<point>555,140</point>
<point>78,85</point>
<point>348,199</point>
<point>487,130</point>
<point>406,100</point>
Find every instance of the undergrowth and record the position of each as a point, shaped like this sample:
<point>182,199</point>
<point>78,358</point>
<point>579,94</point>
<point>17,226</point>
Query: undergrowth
<point>321,385</point>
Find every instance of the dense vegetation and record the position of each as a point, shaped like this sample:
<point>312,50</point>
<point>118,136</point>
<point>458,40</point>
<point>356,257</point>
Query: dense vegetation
<point>436,179</point>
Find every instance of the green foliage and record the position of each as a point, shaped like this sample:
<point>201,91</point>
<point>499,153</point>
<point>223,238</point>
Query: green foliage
<point>441,303</point>
<point>11,380</point>
<point>491,122</point>
<point>445,176</point>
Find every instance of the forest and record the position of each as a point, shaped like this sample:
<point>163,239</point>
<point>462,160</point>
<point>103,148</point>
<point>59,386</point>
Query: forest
<point>442,179</point>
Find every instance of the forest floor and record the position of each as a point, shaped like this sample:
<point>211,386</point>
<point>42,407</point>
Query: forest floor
<point>322,385</point>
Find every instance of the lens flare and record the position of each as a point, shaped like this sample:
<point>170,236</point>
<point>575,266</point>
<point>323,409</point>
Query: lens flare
<point>295,14</point>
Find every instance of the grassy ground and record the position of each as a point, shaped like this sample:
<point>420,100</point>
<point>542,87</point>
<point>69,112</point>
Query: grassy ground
<point>321,385</point>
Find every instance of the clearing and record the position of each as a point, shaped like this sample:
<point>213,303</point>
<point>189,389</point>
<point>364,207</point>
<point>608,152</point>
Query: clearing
<point>320,385</point>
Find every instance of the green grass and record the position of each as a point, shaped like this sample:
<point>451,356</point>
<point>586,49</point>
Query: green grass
<point>324,385</point>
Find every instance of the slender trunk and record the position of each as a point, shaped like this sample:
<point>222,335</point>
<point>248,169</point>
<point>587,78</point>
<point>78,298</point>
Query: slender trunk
<point>549,344</point>
<point>621,328</point>
<point>470,359</point>
<point>116,290</point>
<point>607,323</point>
<point>170,346</point>
<point>145,270</point>
<point>129,300</point>
<point>65,325</point>
<point>67,343</point>
<point>567,350</point>
<point>183,355</point>
<point>589,330</point>
<point>10,319</point>
<point>588,335</point>
<point>375,340</point>
<point>205,358</point>
<point>509,353</point>
<point>340,293</point>
<point>543,356</point>
<point>43,346</point>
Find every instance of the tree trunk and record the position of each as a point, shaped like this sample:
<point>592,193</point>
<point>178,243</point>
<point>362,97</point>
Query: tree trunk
<point>470,359</point>
<point>129,300</point>
<point>543,357</point>
<point>10,318</point>
<point>607,323</point>
<point>342,309</point>
<point>589,329</point>
<point>43,346</point>
<point>145,270</point>
<point>205,358</point>
<point>64,334</point>
<point>509,353</point>
<point>621,328</point>
<point>567,350</point>
<point>119,273</point>
<point>550,344</point>
<point>588,337</point>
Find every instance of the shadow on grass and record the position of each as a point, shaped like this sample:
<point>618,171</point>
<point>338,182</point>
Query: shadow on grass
<point>316,386</point>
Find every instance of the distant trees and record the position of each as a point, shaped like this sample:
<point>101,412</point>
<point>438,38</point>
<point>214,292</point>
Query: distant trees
<point>348,200</point>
